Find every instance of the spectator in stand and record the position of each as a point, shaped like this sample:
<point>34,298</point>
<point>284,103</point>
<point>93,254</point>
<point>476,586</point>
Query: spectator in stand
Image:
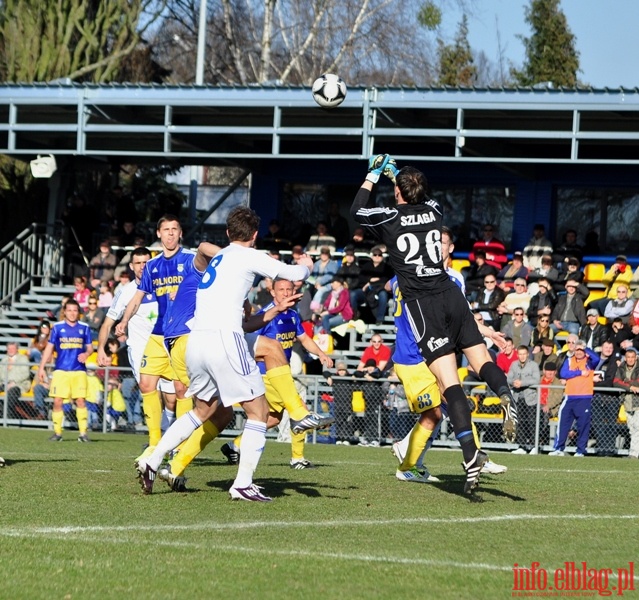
<point>321,276</point>
<point>94,317</point>
<point>360,242</point>
<point>572,272</point>
<point>545,271</point>
<point>569,314</point>
<point>512,271</point>
<point>579,373</point>
<point>373,277</point>
<point>127,235</point>
<point>489,298</point>
<point>82,292</point>
<point>543,302</point>
<point>537,246</point>
<point>551,393</point>
<point>518,329</point>
<point>123,280</point>
<point>627,379</point>
<point>337,225</point>
<point>275,238</point>
<point>320,239</point>
<point>105,299</point>
<point>523,376</point>
<point>494,248</point>
<point>569,248</point>
<point>476,275</point>
<point>621,306</point>
<point>507,356</point>
<point>123,265</point>
<point>103,264</point>
<point>605,405</point>
<point>349,270</point>
<point>519,298</point>
<point>15,378</point>
<point>567,351</point>
<point>378,352</point>
<point>542,330</point>
<point>39,342</point>
<point>621,336</point>
<point>544,352</point>
<point>342,402</point>
<point>618,274</point>
<point>337,306</point>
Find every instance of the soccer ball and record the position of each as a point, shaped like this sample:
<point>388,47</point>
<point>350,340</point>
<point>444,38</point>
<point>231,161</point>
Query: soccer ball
<point>329,90</point>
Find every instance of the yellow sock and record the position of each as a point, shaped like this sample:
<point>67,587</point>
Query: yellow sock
<point>476,437</point>
<point>82,414</point>
<point>152,407</point>
<point>237,440</point>
<point>182,406</point>
<point>416,444</point>
<point>199,439</point>
<point>57,416</point>
<point>297,445</point>
<point>282,381</point>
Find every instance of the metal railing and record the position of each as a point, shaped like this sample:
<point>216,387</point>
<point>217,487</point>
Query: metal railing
<point>35,255</point>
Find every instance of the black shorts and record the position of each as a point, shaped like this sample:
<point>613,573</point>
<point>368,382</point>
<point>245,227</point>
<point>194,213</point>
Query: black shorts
<point>442,323</point>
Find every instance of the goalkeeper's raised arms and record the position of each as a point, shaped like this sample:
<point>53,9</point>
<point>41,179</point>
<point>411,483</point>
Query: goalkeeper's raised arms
<point>391,170</point>
<point>376,166</point>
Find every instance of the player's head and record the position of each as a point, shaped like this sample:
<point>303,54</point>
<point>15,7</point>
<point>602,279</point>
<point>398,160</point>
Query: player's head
<point>139,258</point>
<point>412,185</point>
<point>242,224</point>
<point>169,231</point>
<point>448,245</point>
<point>71,310</point>
<point>282,289</point>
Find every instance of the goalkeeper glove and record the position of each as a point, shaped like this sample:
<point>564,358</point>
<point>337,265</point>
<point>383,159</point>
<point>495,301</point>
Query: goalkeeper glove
<point>391,170</point>
<point>376,166</point>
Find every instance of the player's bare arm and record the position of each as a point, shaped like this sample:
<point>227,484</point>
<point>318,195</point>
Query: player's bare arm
<point>310,346</point>
<point>103,337</point>
<point>131,308</point>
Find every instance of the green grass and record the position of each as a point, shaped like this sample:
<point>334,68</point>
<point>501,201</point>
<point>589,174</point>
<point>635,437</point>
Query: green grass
<point>74,524</point>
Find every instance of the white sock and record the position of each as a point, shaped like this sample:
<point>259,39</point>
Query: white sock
<point>251,448</point>
<point>403,444</point>
<point>174,436</point>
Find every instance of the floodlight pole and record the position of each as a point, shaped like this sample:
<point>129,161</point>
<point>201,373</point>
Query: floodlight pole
<point>201,45</point>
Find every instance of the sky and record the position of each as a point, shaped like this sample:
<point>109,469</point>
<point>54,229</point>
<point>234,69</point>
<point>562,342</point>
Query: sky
<point>606,31</point>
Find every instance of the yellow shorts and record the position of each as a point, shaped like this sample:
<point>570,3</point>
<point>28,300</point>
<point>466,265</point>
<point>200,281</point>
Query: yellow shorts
<point>178,359</point>
<point>68,384</point>
<point>420,385</point>
<point>156,360</point>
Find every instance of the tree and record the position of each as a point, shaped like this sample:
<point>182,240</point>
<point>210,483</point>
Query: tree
<point>456,63</point>
<point>82,40</point>
<point>551,55</point>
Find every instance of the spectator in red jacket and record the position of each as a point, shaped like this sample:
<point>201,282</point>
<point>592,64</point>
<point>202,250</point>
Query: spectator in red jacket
<point>494,248</point>
<point>337,306</point>
<point>507,356</point>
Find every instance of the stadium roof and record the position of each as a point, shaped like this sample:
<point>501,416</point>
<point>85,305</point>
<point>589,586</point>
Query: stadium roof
<point>215,125</point>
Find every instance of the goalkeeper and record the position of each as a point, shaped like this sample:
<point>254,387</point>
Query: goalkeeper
<point>436,308</point>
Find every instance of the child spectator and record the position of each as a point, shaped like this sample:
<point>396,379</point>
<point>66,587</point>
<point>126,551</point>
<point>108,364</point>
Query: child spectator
<point>105,299</point>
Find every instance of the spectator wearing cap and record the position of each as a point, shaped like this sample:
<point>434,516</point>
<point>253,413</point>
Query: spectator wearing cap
<point>103,264</point>
<point>537,246</point>
<point>551,393</point>
<point>542,303</point>
<point>337,306</point>
<point>349,269</point>
<point>621,306</point>
<point>493,248</point>
<point>523,377</point>
<point>371,288</point>
<point>593,332</point>
<point>514,270</point>
<point>572,272</point>
<point>545,271</point>
<point>627,379</point>
<point>321,276</point>
<point>569,314</point>
<point>545,352</point>
<point>477,273</point>
<point>579,373</point>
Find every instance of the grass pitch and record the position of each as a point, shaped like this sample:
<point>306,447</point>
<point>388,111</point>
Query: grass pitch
<point>74,524</point>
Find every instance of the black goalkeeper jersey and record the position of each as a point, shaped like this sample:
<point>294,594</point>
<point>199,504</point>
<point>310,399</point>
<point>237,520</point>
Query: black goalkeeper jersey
<point>412,234</point>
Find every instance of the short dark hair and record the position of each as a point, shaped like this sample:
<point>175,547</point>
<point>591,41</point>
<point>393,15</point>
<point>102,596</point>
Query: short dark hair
<point>140,251</point>
<point>412,184</point>
<point>72,302</point>
<point>242,223</point>
<point>167,218</point>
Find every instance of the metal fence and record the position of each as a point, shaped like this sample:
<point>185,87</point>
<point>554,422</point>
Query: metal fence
<point>364,411</point>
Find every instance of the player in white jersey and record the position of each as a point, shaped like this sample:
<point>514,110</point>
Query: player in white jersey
<point>221,369</point>
<point>141,323</point>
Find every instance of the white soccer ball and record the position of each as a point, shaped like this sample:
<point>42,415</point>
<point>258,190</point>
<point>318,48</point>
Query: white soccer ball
<point>329,90</point>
